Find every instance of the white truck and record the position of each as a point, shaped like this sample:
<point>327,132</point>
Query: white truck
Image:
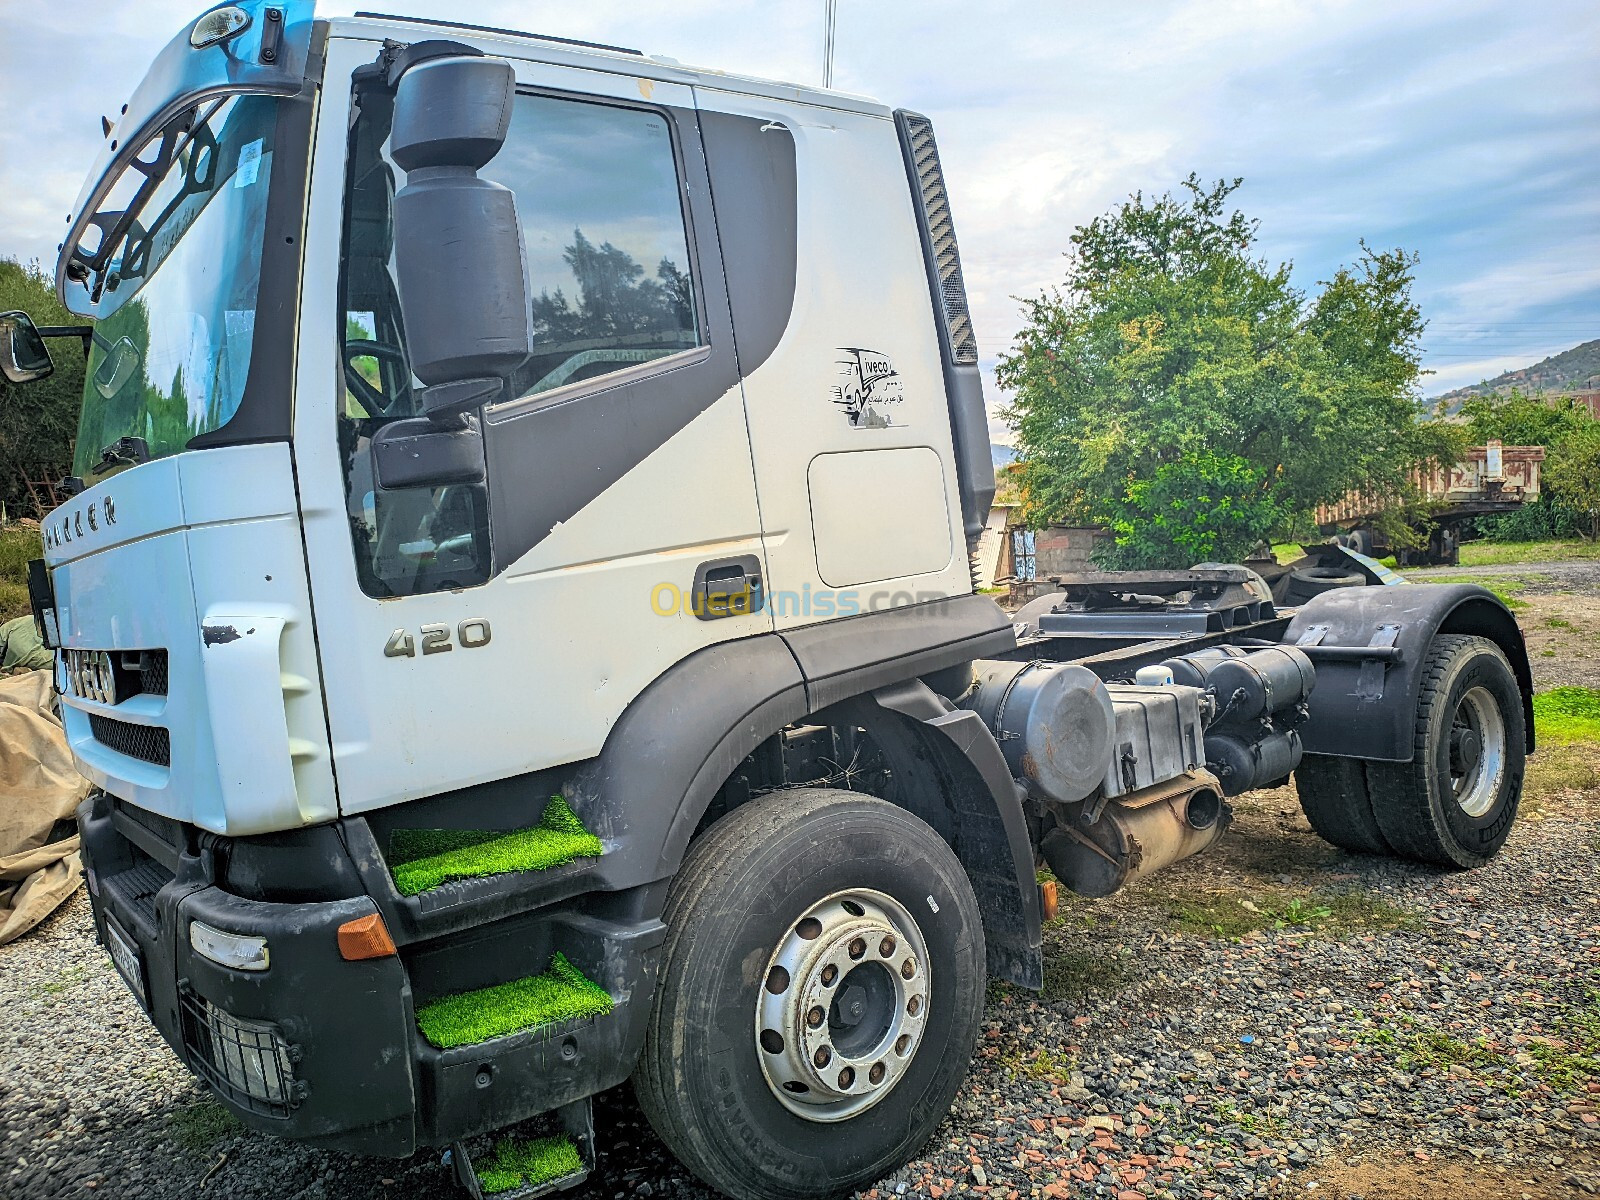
<point>515,613</point>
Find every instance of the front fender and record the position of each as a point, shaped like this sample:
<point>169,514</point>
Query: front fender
<point>1367,709</point>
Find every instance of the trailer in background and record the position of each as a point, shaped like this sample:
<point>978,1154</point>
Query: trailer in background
<point>1490,479</point>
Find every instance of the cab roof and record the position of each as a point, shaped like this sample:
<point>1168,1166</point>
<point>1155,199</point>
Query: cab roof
<point>596,56</point>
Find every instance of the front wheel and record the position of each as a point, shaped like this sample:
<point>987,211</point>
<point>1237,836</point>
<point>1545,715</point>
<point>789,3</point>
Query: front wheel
<point>821,990</point>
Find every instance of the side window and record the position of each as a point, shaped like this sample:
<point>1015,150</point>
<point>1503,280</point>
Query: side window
<point>608,254</point>
<point>602,217</point>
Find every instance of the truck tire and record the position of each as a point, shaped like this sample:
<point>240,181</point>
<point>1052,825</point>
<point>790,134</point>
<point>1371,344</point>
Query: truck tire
<point>772,1067</point>
<point>1307,582</point>
<point>1333,795</point>
<point>1455,801</point>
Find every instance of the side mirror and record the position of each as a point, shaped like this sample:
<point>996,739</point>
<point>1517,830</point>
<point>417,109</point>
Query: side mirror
<point>23,356</point>
<point>458,249</point>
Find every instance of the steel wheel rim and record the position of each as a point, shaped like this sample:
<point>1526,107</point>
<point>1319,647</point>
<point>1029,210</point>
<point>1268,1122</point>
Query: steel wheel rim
<point>1478,731</point>
<point>859,960</point>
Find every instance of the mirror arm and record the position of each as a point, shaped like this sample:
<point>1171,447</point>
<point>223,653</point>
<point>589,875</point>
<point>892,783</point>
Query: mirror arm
<point>86,332</point>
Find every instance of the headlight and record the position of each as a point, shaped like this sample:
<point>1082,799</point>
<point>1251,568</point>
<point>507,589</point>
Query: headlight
<point>236,950</point>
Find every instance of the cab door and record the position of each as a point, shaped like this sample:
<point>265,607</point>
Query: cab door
<point>474,632</point>
<point>842,372</point>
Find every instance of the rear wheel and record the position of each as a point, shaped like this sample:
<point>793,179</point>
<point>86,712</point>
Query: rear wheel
<point>1333,795</point>
<point>821,988</point>
<point>1455,801</point>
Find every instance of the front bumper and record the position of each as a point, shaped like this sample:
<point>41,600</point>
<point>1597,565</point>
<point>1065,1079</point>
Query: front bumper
<point>320,1049</point>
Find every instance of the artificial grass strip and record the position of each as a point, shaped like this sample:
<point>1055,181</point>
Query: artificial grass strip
<point>519,1163</point>
<point>561,993</point>
<point>420,859</point>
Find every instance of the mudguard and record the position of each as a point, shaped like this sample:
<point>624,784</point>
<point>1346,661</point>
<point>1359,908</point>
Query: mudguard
<point>1366,708</point>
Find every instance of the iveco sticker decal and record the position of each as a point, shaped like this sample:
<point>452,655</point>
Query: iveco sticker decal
<point>868,388</point>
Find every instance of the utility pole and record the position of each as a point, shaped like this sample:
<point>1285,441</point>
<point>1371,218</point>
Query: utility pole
<point>830,24</point>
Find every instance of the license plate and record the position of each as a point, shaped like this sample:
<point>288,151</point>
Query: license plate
<point>125,956</point>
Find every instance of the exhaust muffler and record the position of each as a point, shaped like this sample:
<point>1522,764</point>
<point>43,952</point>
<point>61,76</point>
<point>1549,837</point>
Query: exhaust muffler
<point>1138,833</point>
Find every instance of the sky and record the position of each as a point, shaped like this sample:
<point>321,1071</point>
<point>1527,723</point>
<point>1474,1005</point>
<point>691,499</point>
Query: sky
<point>1467,132</point>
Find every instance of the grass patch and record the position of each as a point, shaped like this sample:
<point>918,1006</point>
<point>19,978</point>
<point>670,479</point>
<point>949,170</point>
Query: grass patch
<point>1232,915</point>
<point>1503,554</point>
<point>561,993</point>
<point>1075,972</point>
<point>1504,587</point>
<point>18,544</point>
<point>1569,1066</point>
<point>1567,714</point>
<point>527,1163</point>
<point>1417,1049</point>
<point>420,859</point>
<point>1356,910</point>
<point>1043,1064</point>
<point>1560,768</point>
<point>198,1127</point>
<point>1260,1124</point>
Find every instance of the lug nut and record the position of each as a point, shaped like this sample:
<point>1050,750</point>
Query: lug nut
<point>847,1077</point>
<point>822,1057</point>
<point>902,1043</point>
<point>858,947</point>
<point>908,968</point>
<point>829,974</point>
<point>876,1074</point>
<point>886,947</point>
<point>914,1005</point>
<point>815,1017</point>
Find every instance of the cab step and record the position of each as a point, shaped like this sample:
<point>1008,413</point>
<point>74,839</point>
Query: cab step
<point>514,1165</point>
<point>555,997</point>
<point>421,860</point>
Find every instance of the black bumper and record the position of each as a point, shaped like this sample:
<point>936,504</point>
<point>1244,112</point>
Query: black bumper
<point>320,1049</point>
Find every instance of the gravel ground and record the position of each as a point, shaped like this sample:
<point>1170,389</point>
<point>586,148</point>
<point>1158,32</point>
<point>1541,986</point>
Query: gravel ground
<point>1274,1017</point>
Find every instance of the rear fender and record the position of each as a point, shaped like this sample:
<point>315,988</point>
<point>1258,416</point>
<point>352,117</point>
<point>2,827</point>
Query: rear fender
<point>1367,709</point>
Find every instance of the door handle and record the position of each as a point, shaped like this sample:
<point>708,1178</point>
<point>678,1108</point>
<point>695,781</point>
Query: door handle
<point>727,587</point>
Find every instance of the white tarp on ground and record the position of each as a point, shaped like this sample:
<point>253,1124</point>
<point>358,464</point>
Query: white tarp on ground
<point>39,787</point>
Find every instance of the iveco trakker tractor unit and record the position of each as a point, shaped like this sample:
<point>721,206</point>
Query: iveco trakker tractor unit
<point>515,611</point>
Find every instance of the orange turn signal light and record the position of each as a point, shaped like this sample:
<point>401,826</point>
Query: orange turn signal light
<point>365,937</point>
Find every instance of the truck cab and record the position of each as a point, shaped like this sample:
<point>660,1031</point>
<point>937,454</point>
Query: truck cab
<point>516,609</point>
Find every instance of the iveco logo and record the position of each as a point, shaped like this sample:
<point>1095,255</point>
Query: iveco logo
<point>58,534</point>
<point>91,675</point>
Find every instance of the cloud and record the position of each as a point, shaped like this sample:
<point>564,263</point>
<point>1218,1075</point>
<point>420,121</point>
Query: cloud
<point>1466,131</point>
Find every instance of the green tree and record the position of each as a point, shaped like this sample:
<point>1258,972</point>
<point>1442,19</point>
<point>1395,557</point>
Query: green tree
<point>1518,419</point>
<point>39,420</point>
<point>1176,364</point>
<point>1572,473</point>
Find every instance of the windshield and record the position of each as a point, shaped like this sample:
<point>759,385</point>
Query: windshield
<point>176,321</point>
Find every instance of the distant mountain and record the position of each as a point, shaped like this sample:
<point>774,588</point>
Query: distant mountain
<point>1571,370</point>
<point>1003,456</point>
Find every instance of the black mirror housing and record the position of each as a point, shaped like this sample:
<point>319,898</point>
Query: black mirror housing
<point>459,255</point>
<point>23,355</point>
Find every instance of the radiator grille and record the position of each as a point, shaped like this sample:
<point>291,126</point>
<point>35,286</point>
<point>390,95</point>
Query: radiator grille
<point>923,155</point>
<point>153,672</point>
<point>147,743</point>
